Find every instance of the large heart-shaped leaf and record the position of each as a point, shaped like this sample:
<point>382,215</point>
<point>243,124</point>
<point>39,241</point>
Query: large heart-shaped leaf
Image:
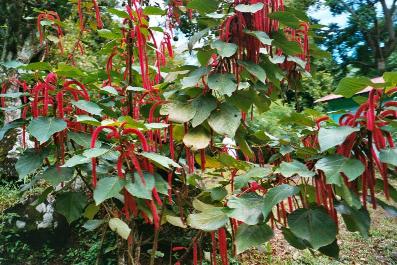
<point>255,70</point>
<point>204,106</point>
<point>254,173</point>
<point>44,127</point>
<point>355,220</point>
<point>194,77</point>
<point>209,220</point>
<point>120,227</point>
<point>197,139</point>
<point>277,195</point>
<point>331,137</point>
<point>224,84</point>
<point>249,236</point>
<point>289,169</point>
<point>161,160</point>
<point>225,49</point>
<point>246,208</point>
<point>107,188</point>
<point>389,156</point>
<point>178,112</point>
<point>313,225</point>
<point>334,165</point>
<point>88,106</point>
<point>139,189</point>
<point>29,161</point>
<point>249,8</point>
<point>226,120</point>
<point>261,36</point>
<point>286,18</point>
<point>349,86</point>
<point>71,205</point>
<point>203,6</point>
<point>55,175</point>
<point>288,47</point>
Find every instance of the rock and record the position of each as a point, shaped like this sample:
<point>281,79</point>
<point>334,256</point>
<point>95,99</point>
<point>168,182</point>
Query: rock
<point>37,225</point>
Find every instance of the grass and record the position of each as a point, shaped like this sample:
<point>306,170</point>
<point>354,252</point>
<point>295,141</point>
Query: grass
<point>9,195</point>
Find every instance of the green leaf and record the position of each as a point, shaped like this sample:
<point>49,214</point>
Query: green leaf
<point>178,112</point>
<point>71,205</point>
<point>140,190</point>
<point>334,165</point>
<point>198,36</point>
<point>76,160</point>
<point>249,236</point>
<point>389,156</point>
<point>286,18</point>
<point>203,56</point>
<point>194,77</point>
<point>161,160</point>
<point>204,106</point>
<point>95,152</point>
<point>261,36</point>
<point>225,49</point>
<point>224,84</point>
<point>83,139</point>
<point>44,127</point>
<point>209,220</point>
<point>162,186</point>
<point>355,220</point>
<point>276,195</point>
<point>203,6</point>
<point>55,175</point>
<point>249,8</point>
<point>88,106</point>
<point>218,193</point>
<point>246,208</point>
<point>107,188</point>
<point>120,227</point>
<point>91,211</point>
<point>175,221</point>
<point>349,86</point>
<point>108,34</point>
<point>288,47</point>
<point>348,196</point>
<point>331,250</point>
<point>68,71</point>
<point>389,209</point>
<point>255,70</point>
<point>391,78</point>
<point>39,66</point>
<point>29,162</point>
<point>331,137</point>
<point>110,90</point>
<point>197,139</point>
<point>153,10</point>
<point>91,225</point>
<point>85,119</point>
<point>293,240</point>
<point>313,225</point>
<point>289,169</point>
<point>254,173</point>
<point>226,120</point>
<point>119,13</point>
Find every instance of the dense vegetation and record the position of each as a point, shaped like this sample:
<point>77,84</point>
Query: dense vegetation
<point>129,151</point>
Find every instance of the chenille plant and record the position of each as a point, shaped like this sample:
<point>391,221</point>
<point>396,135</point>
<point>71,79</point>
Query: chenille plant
<point>146,136</point>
